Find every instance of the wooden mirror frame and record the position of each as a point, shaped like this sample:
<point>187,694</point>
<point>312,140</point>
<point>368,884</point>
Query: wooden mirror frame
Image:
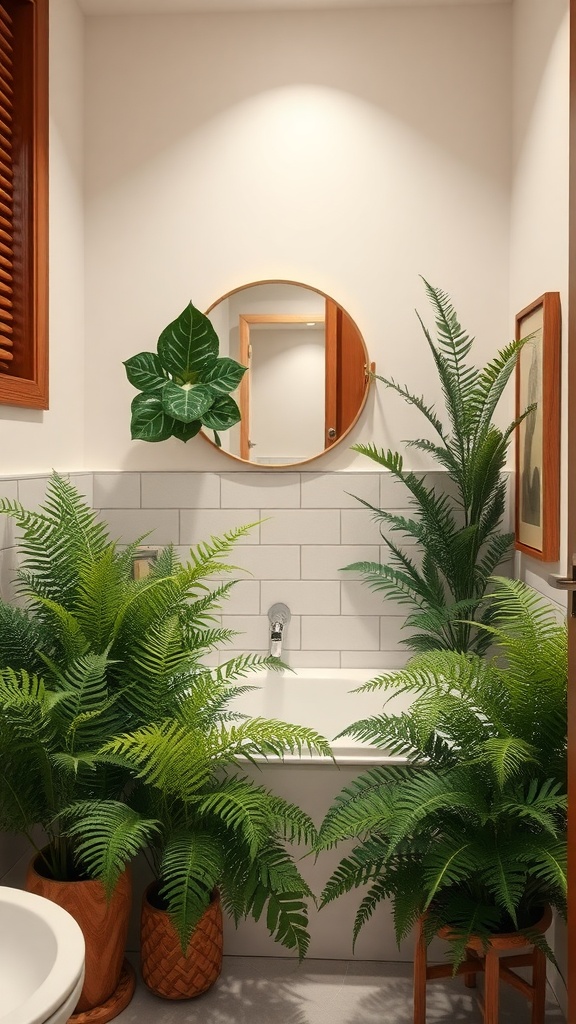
<point>333,384</point>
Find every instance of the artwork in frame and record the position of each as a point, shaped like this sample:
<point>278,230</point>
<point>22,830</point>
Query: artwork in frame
<point>538,436</point>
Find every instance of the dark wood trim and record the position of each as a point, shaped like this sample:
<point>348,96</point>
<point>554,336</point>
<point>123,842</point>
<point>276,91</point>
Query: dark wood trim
<point>571,442</point>
<point>28,387</point>
<point>551,382</point>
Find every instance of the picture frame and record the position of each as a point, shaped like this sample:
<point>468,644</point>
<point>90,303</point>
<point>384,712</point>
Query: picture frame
<point>537,483</point>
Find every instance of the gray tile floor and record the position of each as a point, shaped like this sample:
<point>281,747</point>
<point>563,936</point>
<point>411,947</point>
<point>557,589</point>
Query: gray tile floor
<point>262,990</point>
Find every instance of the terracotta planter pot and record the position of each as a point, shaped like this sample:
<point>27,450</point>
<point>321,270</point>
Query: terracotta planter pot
<point>109,980</point>
<point>165,970</point>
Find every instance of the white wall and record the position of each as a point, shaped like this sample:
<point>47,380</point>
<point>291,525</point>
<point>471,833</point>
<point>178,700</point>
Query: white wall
<point>539,220</point>
<point>351,150</point>
<point>31,440</point>
<point>539,229</point>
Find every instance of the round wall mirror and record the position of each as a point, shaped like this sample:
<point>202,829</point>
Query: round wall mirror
<point>308,371</point>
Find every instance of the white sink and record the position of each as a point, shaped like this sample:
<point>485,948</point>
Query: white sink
<point>41,959</point>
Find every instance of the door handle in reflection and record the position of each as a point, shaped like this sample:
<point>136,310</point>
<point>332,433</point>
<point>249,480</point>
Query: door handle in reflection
<point>561,582</point>
<point>568,585</point>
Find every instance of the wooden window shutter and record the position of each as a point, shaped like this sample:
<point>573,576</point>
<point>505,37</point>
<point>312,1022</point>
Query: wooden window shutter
<point>24,203</point>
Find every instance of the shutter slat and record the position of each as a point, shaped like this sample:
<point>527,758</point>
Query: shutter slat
<point>5,17</point>
<point>5,127</point>
<point>7,33</point>
<point>6,270</point>
<point>6,250</point>
<point>6,152</point>
<point>6,355</point>
<point>6,112</point>
<point>6,171</point>
<point>6,90</point>
<point>6,191</point>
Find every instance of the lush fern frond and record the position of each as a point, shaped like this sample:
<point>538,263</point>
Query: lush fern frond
<point>219,547</point>
<point>242,807</point>
<point>84,691</point>
<point>378,891</point>
<point>270,885</point>
<point>191,868</point>
<point>271,737</point>
<point>402,587</point>
<point>507,757</point>
<point>290,822</point>
<point>107,835</point>
<point>21,636</point>
<point>166,756</point>
<point>363,865</point>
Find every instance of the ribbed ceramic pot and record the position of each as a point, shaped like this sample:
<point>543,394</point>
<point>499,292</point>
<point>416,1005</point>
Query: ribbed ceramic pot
<point>105,927</point>
<point>165,969</point>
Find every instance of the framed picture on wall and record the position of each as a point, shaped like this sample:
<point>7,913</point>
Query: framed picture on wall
<point>538,436</point>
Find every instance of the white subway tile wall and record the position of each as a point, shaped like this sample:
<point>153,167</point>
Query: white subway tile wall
<point>307,527</point>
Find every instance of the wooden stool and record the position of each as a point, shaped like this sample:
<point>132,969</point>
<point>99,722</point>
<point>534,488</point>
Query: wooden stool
<point>494,967</point>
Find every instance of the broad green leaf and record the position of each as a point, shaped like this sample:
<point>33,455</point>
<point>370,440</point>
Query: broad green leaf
<point>224,375</point>
<point>149,421</point>
<point>186,402</point>
<point>222,414</point>
<point>187,344</point>
<point>184,431</point>
<point>145,372</point>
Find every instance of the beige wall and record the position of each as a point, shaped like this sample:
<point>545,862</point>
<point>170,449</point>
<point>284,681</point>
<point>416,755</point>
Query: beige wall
<point>351,150</point>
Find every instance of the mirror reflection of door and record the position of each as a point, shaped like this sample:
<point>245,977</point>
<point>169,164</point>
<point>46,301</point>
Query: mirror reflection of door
<point>307,380</point>
<point>283,415</point>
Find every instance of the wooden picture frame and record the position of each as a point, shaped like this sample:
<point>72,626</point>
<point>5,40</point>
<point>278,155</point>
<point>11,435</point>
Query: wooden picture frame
<point>537,485</point>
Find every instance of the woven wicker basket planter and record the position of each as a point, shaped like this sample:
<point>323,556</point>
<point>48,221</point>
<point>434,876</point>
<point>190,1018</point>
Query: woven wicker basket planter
<point>109,981</point>
<point>165,970</point>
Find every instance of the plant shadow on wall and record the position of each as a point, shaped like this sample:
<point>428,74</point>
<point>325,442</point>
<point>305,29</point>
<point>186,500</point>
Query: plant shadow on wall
<point>457,531</point>
<point>115,736</point>
<point>471,832</point>
<point>184,385</point>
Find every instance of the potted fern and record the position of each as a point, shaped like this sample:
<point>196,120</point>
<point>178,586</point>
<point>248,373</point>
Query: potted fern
<point>471,833</point>
<point>219,836</point>
<point>456,529</point>
<point>94,655</point>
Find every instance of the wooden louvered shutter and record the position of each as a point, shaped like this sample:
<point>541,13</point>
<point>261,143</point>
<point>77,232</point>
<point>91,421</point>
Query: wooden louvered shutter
<point>23,202</point>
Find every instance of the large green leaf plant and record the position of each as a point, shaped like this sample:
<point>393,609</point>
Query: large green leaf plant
<point>115,736</point>
<point>471,832</point>
<point>456,528</point>
<point>185,384</point>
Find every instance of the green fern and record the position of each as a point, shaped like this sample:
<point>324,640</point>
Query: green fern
<point>457,533</point>
<point>116,737</point>
<point>472,831</point>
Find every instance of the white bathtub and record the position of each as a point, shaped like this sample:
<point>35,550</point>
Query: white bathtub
<point>322,699</point>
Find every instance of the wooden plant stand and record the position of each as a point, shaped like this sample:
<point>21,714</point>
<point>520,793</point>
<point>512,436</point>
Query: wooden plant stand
<point>495,968</point>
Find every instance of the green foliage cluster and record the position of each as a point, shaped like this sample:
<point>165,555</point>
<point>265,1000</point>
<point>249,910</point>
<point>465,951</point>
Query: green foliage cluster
<point>184,385</point>
<point>472,831</point>
<point>456,531</point>
<point>115,737</point>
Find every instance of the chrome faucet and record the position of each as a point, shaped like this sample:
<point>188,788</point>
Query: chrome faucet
<point>279,616</point>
